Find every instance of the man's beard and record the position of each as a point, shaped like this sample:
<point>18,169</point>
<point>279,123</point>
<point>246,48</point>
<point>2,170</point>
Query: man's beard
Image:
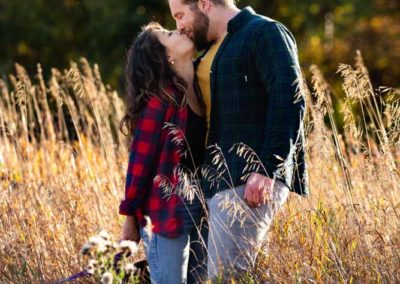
<point>200,30</point>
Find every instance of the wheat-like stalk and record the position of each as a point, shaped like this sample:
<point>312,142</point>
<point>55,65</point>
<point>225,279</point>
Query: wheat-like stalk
<point>62,172</point>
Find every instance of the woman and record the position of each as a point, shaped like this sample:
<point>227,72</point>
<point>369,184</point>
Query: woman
<point>160,76</point>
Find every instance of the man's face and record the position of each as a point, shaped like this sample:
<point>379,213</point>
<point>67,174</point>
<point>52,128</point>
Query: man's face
<point>191,22</point>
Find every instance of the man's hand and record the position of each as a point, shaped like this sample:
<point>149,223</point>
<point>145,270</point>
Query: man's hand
<point>130,230</point>
<point>258,189</point>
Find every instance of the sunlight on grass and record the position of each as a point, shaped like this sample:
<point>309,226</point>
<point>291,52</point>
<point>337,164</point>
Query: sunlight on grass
<point>62,174</point>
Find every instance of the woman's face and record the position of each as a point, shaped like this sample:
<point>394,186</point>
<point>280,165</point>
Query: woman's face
<point>178,45</point>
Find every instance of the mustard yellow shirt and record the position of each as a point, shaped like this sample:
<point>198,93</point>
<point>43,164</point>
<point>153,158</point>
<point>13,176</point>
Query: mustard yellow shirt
<point>203,75</point>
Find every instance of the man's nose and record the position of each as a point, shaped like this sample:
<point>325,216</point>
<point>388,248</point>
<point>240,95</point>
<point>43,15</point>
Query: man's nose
<point>180,26</point>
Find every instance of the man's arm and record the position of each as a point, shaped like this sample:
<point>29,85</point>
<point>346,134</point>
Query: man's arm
<point>278,67</point>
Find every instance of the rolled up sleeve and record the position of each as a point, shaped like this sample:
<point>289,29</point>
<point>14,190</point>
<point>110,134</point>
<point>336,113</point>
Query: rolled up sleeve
<point>143,151</point>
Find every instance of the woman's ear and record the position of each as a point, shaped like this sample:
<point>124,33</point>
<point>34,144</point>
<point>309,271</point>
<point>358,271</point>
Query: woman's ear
<point>171,60</point>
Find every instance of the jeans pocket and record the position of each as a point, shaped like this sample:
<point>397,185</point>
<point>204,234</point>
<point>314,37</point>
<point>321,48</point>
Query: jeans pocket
<point>150,246</point>
<point>279,195</point>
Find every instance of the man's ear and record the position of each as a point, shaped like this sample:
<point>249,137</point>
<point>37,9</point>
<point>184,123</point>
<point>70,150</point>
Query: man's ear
<point>204,5</point>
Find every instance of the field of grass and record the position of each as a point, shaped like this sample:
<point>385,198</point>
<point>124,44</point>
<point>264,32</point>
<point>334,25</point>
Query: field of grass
<point>63,163</point>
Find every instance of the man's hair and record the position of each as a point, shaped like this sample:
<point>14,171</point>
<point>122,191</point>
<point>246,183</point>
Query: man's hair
<point>216,2</point>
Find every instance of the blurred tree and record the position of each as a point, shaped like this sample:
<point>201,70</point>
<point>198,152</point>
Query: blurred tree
<point>328,32</point>
<point>54,32</point>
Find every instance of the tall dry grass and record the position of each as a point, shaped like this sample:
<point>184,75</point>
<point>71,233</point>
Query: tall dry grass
<point>63,161</point>
<point>348,231</point>
<point>62,170</point>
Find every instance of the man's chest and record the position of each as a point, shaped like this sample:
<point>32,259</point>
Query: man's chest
<point>234,72</point>
<point>234,65</point>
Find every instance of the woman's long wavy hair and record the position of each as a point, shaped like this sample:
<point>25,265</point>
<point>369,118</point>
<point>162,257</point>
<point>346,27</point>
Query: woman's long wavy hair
<point>148,73</point>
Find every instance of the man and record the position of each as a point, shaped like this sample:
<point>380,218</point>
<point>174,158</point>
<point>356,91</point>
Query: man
<point>247,76</point>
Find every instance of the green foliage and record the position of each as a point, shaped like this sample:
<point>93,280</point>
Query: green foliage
<point>328,32</point>
<point>54,32</point>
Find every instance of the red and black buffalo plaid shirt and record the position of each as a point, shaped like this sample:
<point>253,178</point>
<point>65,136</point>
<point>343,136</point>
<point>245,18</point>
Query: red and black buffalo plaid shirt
<point>154,153</point>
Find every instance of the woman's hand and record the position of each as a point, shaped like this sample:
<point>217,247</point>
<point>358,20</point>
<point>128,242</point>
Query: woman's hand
<point>130,230</point>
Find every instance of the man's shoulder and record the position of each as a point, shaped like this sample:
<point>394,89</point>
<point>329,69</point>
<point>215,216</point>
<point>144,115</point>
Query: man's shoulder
<point>264,23</point>
<point>259,27</point>
<point>259,19</point>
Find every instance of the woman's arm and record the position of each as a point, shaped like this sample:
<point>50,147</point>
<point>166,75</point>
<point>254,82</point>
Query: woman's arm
<point>130,229</point>
<point>147,137</point>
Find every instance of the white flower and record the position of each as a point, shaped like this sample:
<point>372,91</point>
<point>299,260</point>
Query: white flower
<point>130,268</point>
<point>103,247</point>
<point>90,268</point>
<point>105,235</point>
<point>101,244</point>
<point>126,245</point>
<point>96,240</point>
<point>107,278</point>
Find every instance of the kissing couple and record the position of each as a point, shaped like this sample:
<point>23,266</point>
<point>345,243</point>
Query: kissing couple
<point>217,143</point>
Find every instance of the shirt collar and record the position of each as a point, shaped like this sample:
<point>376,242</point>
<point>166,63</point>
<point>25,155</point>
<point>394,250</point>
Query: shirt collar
<point>240,19</point>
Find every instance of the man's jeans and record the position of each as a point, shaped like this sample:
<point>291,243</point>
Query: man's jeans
<point>176,260</point>
<point>237,231</point>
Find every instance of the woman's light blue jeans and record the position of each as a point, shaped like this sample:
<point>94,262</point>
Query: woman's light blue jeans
<point>176,260</point>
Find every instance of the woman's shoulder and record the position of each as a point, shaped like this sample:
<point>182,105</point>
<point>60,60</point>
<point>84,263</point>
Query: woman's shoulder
<point>156,102</point>
<point>167,99</point>
<point>162,106</point>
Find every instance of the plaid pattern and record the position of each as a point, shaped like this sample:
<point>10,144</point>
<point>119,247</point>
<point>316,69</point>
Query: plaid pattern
<point>154,153</point>
<point>252,98</point>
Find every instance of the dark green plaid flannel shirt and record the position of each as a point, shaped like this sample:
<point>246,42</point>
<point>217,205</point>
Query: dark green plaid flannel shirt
<point>253,101</point>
